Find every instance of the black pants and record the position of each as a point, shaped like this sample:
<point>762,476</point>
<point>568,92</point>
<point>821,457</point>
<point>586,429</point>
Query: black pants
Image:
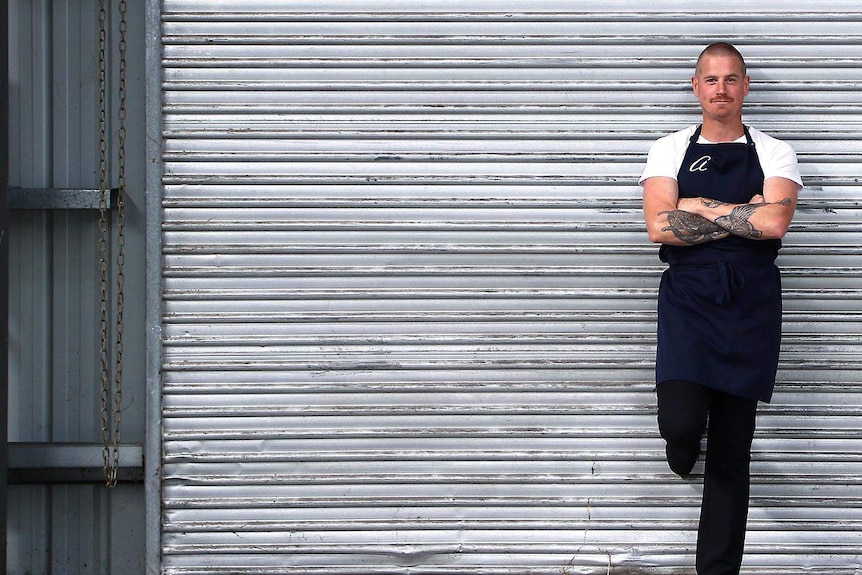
<point>685,411</point>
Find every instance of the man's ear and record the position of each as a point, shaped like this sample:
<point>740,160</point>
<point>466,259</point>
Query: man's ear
<point>694,86</point>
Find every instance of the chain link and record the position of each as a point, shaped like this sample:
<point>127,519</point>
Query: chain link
<point>121,243</point>
<point>111,421</point>
<point>103,239</point>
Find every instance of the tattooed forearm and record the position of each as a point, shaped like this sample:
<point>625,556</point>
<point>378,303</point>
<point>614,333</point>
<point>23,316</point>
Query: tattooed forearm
<point>736,222</point>
<point>710,203</point>
<point>691,228</point>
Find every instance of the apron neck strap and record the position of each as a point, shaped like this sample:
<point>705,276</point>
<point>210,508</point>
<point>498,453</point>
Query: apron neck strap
<point>696,135</point>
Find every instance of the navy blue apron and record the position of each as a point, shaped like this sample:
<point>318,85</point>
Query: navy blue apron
<point>719,306</point>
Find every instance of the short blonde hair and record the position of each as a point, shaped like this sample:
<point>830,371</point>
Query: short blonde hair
<point>720,49</point>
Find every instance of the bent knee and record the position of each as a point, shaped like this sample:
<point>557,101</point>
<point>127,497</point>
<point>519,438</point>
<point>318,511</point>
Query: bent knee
<point>683,409</point>
<point>681,428</point>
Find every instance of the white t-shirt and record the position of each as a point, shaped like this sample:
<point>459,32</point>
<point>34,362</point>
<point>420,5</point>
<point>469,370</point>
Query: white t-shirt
<point>777,158</point>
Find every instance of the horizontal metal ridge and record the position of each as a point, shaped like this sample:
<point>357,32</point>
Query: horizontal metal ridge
<point>381,293</point>
<point>172,247</point>
<point>268,12</point>
<point>190,83</point>
<point>625,174</point>
<point>200,501</point>
<point>610,411</point>
<point>306,246</point>
<point>511,128</point>
<point>540,564</point>
<point>452,270</point>
<point>384,387</point>
<point>440,109</point>
<point>263,360</point>
<point>428,270</point>
<point>248,60</point>
<point>509,524</point>
<point>211,476</point>
<point>235,339</point>
<point>185,434</point>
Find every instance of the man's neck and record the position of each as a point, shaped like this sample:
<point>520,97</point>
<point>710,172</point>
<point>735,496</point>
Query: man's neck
<point>716,131</point>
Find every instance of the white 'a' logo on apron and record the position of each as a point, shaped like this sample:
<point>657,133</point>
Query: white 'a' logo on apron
<point>699,165</point>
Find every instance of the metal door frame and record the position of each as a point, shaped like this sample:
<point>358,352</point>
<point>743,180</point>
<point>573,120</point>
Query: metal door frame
<point>153,446</point>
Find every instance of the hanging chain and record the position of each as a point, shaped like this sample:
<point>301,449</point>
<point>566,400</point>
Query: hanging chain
<point>121,243</point>
<point>111,421</point>
<point>110,476</point>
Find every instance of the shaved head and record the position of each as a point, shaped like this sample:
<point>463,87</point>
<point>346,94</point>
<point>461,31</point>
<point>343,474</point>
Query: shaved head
<point>720,49</point>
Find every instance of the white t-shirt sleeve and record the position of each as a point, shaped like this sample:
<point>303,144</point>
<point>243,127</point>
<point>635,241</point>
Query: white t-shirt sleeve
<point>666,155</point>
<point>777,158</point>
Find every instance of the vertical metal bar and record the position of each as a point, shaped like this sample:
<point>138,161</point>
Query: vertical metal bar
<point>4,272</point>
<point>153,449</point>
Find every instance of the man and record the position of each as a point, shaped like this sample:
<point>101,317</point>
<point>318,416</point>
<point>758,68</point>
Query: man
<point>718,197</point>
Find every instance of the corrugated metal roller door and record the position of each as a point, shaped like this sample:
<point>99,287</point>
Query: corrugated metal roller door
<point>409,298</point>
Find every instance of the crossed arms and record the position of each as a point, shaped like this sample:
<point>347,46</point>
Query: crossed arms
<point>689,221</point>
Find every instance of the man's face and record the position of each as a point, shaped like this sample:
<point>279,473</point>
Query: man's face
<point>721,86</point>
